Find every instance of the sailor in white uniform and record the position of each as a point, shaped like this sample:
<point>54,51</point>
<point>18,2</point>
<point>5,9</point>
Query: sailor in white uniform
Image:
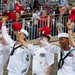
<point>66,54</point>
<point>4,54</point>
<point>42,59</point>
<point>19,56</point>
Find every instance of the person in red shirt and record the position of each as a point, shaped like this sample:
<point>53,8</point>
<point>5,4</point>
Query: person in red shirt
<point>19,7</point>
<point>44,19</point>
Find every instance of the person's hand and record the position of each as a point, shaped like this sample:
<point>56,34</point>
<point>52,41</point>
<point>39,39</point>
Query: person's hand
<point>18,34</point>
<point>69,24</point>
<point>4,19</point>
<point>44,42</point>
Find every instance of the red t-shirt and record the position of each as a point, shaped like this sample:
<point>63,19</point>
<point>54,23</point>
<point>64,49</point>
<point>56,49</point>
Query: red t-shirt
<point>44,21</point>
<point>19,8</point>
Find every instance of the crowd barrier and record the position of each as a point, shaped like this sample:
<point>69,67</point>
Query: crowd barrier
<point>33,28</point>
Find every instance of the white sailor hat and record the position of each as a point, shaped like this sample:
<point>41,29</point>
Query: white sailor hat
<point>63,35</point>
<point>25,32</point>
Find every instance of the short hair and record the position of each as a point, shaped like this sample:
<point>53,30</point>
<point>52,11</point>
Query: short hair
<point>35,9</point>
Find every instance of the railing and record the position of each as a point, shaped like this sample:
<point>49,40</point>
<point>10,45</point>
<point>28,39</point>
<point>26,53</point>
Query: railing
<point>1,6</point>
<point>33,29</point>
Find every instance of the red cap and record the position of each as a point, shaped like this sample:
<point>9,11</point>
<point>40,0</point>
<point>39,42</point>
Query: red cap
<point>12,16</point>
<point>72,15</point>
<point>45,30</point>
<point>5,1</point>
<point>0,25</point>
<point>17,26</point>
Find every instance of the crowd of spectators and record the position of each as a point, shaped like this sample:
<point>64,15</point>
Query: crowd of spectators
<point>53,16</point>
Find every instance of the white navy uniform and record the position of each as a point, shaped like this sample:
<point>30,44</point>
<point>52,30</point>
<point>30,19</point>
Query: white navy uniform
<point>42,59</point>
<point>4,54</point>
<point>20,60</point>
<point>68,67</point>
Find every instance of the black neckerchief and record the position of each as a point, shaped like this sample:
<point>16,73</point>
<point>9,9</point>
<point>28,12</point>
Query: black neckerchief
<point>14,48</point>
<point>61,61</point>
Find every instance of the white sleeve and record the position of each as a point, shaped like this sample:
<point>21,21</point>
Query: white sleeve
<point>74,62</point>
<point>6,54</point>
<point>1,47</point>
<point>31,48</point>
<point>52,48</point>
<point>6,36</point>
<point>50,58</point>
<point>26,63</point>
